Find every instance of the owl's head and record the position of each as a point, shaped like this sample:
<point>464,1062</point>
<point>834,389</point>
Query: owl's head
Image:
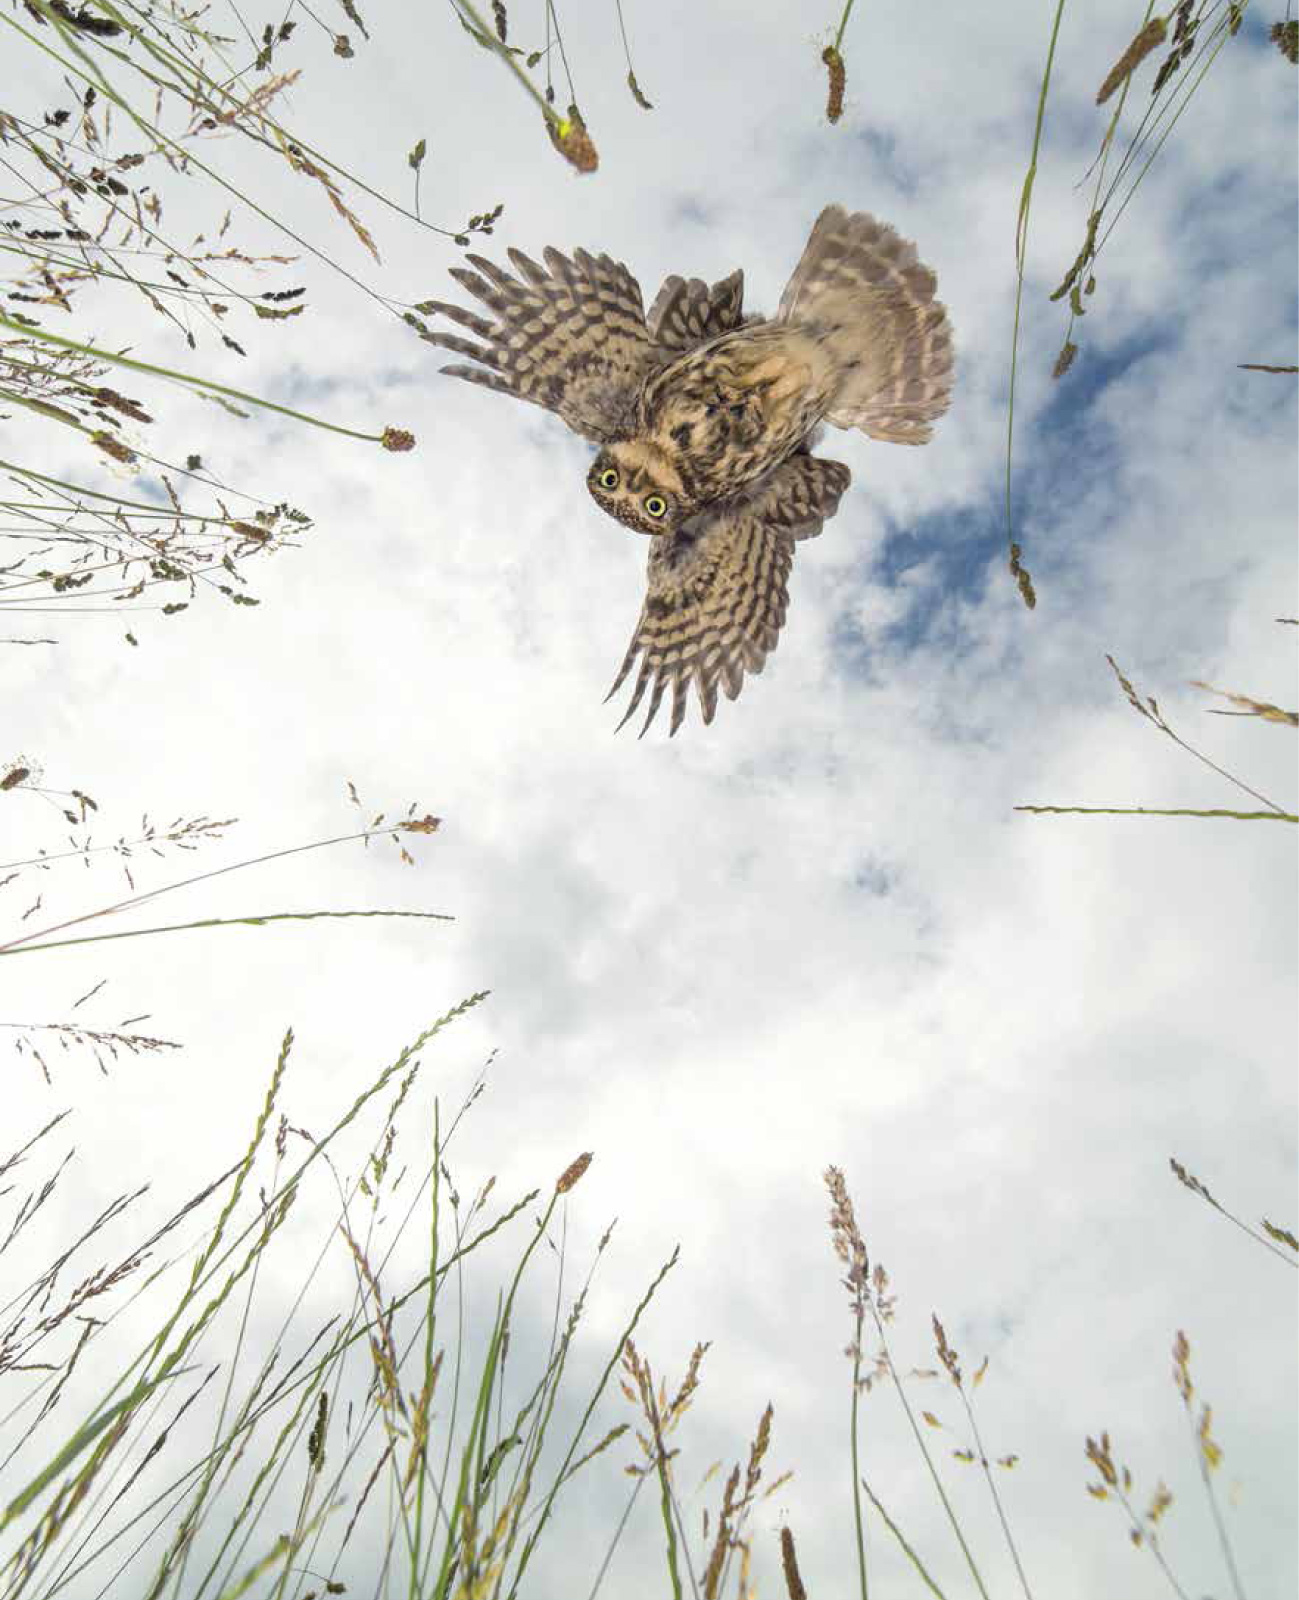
<point>637,483</point>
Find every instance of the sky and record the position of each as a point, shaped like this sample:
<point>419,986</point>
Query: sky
<point>817,931</point>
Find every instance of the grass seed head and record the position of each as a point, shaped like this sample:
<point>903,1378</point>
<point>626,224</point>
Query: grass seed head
<point>1150,38</point>
<point>789,1565</point>
<point>1065,359</point>
<point>573,1172</point>
<point>838,79</point>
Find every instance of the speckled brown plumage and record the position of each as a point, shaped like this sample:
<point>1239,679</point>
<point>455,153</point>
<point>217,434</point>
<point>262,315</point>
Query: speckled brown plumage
<point>717,588</point>
<point>703,417</point>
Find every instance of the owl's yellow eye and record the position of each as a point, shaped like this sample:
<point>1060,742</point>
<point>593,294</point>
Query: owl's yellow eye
<point>609,478</point>
<point>656,506</point>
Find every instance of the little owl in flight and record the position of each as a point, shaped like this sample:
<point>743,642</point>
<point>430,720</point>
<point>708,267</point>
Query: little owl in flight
<point>705,417</point>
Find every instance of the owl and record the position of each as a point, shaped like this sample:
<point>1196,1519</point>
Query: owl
<point>704,417</point>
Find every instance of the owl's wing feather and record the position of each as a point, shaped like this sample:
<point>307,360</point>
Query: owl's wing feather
<point>569,336</point>
<point>717,589</point>
<point>858,278</point>
<point>686,312</point>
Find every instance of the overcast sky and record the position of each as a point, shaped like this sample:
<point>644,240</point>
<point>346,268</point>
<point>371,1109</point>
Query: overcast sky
<point>816,931</point>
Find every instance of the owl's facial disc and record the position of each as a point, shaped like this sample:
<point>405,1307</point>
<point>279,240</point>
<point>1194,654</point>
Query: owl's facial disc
<point>624,483</point>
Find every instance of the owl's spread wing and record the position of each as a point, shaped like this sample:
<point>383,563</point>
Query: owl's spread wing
<point>717,588</point>
<point>686,311</point>
<point>859,278</point>
<point>569,336</point>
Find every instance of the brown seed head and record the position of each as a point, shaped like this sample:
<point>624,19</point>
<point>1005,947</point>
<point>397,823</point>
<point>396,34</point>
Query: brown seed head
<point>838,78</point>
<point>113,447</point>
<point>789,1562</point>
<point>637,93</point>
<point>120,402</point>
<point>1150,38</point>
<point>1022,578</point>
<point>574,143</point>
<point>848,1243</point>
<point>1099,1454</point>
<point>573,1172</point>
<point>1065,359</point>
<point>1159,1502</point>
<point>1182,1367</point>
<point>946,1354</point>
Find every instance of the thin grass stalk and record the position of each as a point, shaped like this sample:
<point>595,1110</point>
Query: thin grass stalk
<point>1157,110</point>
<point>683,1535</point>
<point>1188,1180</point>
<point>306,1382</point>
<point>217,1453</point>
<point>843,23</point>
<point>1154,112</point>
<point>1163,811</point>
<point>258,921</point>
<point>547,1393</point>
<point>1021,246</point>
<point>478,1429</point>
<point>992,1489</point>
<point>284,1549</point>
<point>446,1516</point>
<point>858,1525</point>
<point>81,1439</point>
<point>1224,35</point>
<point>321,1373</point>
<point>145,1385</point>
<point>897,1533</point>
<point>201,877</point>
<point>188,77</point>
<point>301,1527</point>
<point>458,1516</point>
<point>227,1452</point>
<point>93,1521</point>
<point>489,39</point>
<point>430,1335</point>
<point>1102,160</point>
<point>187,380</point>
<point>77,491</point>
<point>261,1489</point>
<point>125,1408</point>
<point>665,1509</point>
<point>1219,1526</point>
<point>164,142</point>
<point>349,1338</point>
<point>924,1451</point>
<point>563,54</point>
<point>617,1535</point>
<point>531,1543</point>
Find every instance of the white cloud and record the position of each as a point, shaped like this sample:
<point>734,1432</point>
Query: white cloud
<point>816,931</point>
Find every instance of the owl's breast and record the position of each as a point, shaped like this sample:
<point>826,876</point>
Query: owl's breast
<point>733,408</point>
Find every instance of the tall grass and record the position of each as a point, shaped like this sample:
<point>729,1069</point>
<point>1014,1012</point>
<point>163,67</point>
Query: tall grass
<point>420,1447</point>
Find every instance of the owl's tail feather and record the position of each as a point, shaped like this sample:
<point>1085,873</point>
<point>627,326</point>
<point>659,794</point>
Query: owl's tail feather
<point>863,294</point>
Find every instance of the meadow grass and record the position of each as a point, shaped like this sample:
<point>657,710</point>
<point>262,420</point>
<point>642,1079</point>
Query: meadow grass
<point>420,1456</point>
<point>411,1443</point>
